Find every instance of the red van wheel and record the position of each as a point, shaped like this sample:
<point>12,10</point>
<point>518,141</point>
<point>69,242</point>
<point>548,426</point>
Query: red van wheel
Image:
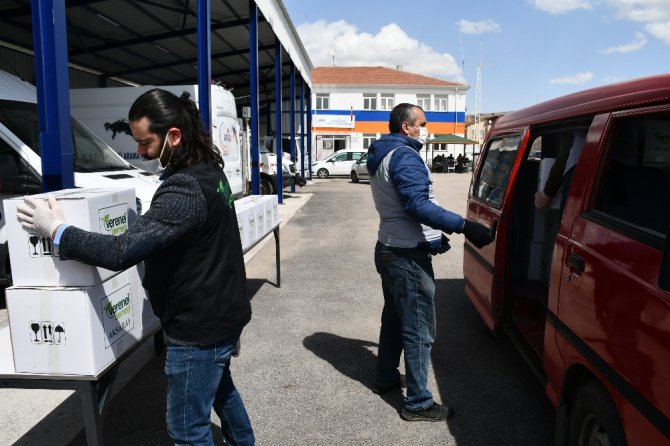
<point>594,420</point>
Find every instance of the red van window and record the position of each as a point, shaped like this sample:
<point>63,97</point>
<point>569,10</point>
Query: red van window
<point>636,181</point>
<point>497,164</point>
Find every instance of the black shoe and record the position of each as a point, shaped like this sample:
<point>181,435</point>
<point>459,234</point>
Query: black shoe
<point>382,390</point>
<point>436,412</point>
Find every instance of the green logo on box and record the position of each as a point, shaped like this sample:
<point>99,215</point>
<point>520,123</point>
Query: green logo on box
<point>114,219</point>
<point>117,315</point>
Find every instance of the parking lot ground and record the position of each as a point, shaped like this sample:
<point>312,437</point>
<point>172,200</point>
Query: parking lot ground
<point>307,361</point>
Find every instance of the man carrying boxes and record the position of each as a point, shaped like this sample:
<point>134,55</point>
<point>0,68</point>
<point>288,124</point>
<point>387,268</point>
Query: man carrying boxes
<point>194,267</point>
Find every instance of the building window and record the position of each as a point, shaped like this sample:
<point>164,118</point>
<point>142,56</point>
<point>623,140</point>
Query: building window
<point>322,102</point>
<point>369,102</point>
<point>441,103</point>
<point>423,101</point>
<point>367,139</point>
<point>387,101</point>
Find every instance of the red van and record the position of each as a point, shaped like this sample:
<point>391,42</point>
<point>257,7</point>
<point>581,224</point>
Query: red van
<point>581,288</point>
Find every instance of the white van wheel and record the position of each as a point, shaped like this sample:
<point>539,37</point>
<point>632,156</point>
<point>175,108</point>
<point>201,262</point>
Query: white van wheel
<point>322,173</point>
<point>354,177</point>
<point>266,187</point>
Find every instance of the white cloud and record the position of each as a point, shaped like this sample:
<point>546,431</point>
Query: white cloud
<point>560,6</point>
<point>390,47</point>
<point>654,14</point>
<point>572,79</point>
<point>660,30</point>
<point>644,11</point>
<point>485,26</point>
<point>638,43</point>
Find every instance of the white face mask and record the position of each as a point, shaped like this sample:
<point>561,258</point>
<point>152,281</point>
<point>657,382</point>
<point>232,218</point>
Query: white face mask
<point>160,168</point>
<point>423,135</point>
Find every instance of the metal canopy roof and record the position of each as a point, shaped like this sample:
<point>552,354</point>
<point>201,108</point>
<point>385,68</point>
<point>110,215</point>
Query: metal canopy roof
<point>154,42</point>
<point>450,138</point>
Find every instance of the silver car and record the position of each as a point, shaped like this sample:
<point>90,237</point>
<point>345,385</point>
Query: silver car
<point>359,171</point>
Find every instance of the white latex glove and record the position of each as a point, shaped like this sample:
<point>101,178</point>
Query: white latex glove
<point>542,200</point>
<point>39,216</point>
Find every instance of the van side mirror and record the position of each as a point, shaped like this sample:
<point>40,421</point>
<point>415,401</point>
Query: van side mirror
<point>664,273</point>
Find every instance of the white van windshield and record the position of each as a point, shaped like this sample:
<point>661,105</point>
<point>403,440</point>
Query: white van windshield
<point>89,152</point>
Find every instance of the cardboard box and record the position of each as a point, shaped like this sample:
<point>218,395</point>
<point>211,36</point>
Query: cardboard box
<point>246,220</point>
<point>70,330</point>
<point>271,211</point>
<point>257,215</point>
<point>34,260</point>
<point>243,225</point>
<point>148,319</point>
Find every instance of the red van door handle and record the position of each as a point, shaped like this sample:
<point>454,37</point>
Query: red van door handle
<point>576,264</point>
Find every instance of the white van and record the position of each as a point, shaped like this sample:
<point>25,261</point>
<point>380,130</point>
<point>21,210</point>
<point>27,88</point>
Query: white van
<point>95,163</point>
<point>105,112</point>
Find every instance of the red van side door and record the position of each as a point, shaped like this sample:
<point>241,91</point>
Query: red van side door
<point>489,203</point>
<point>612,314</point>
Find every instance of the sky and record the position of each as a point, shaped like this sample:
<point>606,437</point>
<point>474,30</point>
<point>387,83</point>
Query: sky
<point>528,51</point>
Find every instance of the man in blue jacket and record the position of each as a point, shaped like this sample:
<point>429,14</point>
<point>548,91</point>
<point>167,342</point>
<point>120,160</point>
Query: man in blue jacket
<point>410,232</point>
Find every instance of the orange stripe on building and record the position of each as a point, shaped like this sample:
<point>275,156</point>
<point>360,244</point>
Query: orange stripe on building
<point>441,128</point>
<point>437,128</point>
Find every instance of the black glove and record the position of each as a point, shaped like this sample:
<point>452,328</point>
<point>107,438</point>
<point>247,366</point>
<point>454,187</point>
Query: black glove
<point>444,246</point>
<point>478,234</point>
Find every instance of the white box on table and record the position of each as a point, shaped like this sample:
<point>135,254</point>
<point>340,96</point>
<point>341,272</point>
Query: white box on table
<point>148,319</point>
<point>243,224</point>
<point>256,205</point>
<point>34,262</point>
<point>73,330</point>
<point>270,203</point>
<point>251,223</point>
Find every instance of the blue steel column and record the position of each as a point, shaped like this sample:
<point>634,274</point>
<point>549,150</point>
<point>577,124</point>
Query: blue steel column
<point>278,116</point>
<point>204,66</point>
<point>292,118</point>
<point>309,130</point>
<point>53,93</point>
<point>302,126</point>
<point>253,72</point>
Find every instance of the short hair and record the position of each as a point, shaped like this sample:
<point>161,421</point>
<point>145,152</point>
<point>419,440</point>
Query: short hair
<point>402,113</point>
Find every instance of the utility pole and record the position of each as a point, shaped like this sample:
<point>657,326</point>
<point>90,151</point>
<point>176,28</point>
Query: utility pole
<point>478,91</point>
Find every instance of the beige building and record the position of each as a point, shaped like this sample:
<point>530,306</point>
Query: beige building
<point>478,133</point>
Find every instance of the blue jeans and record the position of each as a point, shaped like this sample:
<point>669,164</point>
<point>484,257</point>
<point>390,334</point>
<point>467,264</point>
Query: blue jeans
<point>408,320</point>
<point>199,379</point>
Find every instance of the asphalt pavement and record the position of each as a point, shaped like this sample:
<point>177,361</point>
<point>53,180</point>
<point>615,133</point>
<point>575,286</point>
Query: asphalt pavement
<point>306,366</point>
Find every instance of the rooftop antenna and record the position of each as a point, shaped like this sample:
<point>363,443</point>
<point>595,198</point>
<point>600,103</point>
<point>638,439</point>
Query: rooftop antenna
<point>478,88</point>
<point>332,53</point>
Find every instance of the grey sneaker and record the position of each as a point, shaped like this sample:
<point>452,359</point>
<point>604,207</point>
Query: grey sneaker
<point>436,412</point>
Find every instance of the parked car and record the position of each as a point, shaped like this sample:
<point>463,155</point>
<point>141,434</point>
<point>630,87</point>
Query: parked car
<point>582,289</point>
<point>359,170</point>
<point>337,164</point>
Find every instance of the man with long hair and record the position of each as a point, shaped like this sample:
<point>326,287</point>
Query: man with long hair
<point>194,266</point>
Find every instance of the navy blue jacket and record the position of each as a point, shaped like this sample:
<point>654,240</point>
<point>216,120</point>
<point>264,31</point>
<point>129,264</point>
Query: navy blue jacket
<point>412,181</point>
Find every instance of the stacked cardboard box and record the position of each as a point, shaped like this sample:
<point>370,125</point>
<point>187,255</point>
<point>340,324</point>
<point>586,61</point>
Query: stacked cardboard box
<point>66,317</point>
<point>257,216</point>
